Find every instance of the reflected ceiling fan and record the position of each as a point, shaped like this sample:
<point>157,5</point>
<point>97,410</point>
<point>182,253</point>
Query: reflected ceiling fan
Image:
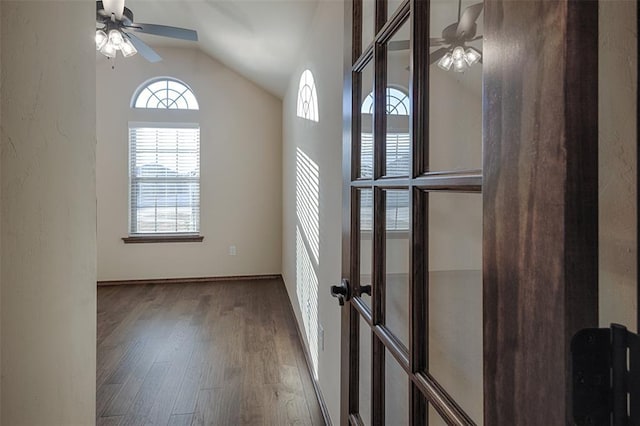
<point>113,18</point>
<point>455,53</point>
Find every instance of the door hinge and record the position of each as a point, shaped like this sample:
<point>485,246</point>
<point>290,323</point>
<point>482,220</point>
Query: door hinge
<point>606,376</point>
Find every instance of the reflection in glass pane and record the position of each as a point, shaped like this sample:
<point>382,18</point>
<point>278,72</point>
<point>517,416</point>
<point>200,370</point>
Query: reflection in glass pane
<point>455,89</point>
<point>396,399</point>
<point>364,395</point>
<point>368,22</point>
<point>455,297</point>
<point>397,264</point>
<point>366,241</point>
<point>618,207</point>
<point>392,6</point>
<point>434,418</point>
<point>366,124</point>
<point>398,105</point>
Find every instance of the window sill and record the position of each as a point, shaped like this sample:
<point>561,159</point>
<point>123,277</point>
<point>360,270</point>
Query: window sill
<point>163,239</point>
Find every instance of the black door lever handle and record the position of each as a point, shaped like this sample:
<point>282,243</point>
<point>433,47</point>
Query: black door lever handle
<point>342,291</point>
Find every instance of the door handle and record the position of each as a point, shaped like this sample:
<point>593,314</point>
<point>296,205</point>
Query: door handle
<point>342,291</point>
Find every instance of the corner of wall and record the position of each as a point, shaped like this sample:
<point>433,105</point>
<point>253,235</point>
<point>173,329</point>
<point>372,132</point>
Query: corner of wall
<point>47,220</point>
<point>230,151</point>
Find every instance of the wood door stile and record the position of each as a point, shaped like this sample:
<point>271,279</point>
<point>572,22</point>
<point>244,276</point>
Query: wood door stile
<point>540,203</point>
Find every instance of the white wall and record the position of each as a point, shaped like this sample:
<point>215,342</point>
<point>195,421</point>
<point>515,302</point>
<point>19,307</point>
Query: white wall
<point>48,204</point>
<point>1,216</point>
<point>617,163</point>
<point>240,168</point>
<point>322,143</point>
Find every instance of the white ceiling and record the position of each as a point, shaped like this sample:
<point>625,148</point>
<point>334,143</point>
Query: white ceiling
<point>259,39</point>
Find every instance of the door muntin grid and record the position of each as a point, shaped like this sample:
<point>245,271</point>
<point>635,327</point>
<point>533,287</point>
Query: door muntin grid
<point>377,184</point>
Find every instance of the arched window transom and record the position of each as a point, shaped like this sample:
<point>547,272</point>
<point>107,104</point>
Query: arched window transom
<point>307,97</point>
<point>165,93</point>
<point>397,102</point>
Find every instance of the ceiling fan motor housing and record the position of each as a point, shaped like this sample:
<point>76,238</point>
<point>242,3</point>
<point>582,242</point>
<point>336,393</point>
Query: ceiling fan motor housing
<point>103,17</point>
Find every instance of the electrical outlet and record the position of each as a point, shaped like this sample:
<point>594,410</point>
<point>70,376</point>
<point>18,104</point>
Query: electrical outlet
<point>321,337</point>
<point>232,251</point>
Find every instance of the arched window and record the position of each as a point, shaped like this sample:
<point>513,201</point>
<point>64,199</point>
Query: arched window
<point>397,148</point>
<point>307,97</point>
<point>397,102</point>
<point>164,164</point>
<point>164,93</point>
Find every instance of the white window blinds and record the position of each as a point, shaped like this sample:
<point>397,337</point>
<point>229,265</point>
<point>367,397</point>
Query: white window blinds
<point>164,178</point>
<point>397,209</point>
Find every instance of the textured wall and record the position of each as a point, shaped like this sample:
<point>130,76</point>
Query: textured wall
<point>320,144</point>
<point>617,162</point>
<point>0,215</point>
<point>48,213</point>
<point>240,171</point>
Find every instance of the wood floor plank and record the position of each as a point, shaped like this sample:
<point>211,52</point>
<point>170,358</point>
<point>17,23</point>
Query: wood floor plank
<point>109,421</point>
<point>180,420</point>
<point>190,387</point>
<point>145,399</point>
<point>178,355</point>
<point>123,401</point>
<point>104,395</point>
<point>219,406</point>
<point>223,353</point>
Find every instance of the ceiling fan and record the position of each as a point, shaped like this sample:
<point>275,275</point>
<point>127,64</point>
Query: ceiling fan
<point>455,36</point>
<point>113,18</point>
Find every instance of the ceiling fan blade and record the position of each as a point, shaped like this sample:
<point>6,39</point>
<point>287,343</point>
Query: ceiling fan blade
<point>113,7</point>
<point>143,49</point>
<point>100,12</point>
<point>166,31</point>
<point>398,45</point>
<point>404,44</point>
<point>435,56</point>
<point>467,23</point>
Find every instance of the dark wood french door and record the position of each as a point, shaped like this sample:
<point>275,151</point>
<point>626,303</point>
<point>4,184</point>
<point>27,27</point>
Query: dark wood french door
<point>414,181</point>
<point>446,172</point>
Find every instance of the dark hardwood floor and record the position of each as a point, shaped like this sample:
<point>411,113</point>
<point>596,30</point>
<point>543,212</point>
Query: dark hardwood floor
<point>224,353</point>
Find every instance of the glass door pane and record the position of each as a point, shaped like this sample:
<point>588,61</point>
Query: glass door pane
<point>392,7</point>
<point>368,22</point>
<point>364,394</point>
<point>397,264</point>
<point>455,89</point>
<point>366,243</point>
<point>396,388</point>
<point>366,122</point>
<point>455,298</point>
<point>398,106</point>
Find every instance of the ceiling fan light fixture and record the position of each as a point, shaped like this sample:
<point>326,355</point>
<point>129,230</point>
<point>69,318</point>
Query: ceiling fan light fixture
<point>109,50</point>
<point>457,54</point>
<point>101,39</point>
<point>472,56</point>
<point>115,38</point>
<point>127,48</point>
<point>460,65</point>
<point>446,61</point>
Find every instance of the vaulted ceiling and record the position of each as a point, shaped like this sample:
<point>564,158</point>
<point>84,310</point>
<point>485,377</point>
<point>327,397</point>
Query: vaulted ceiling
<point>259,39</point>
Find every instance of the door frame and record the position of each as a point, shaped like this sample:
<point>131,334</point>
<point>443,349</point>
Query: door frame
<point>540,202</point>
